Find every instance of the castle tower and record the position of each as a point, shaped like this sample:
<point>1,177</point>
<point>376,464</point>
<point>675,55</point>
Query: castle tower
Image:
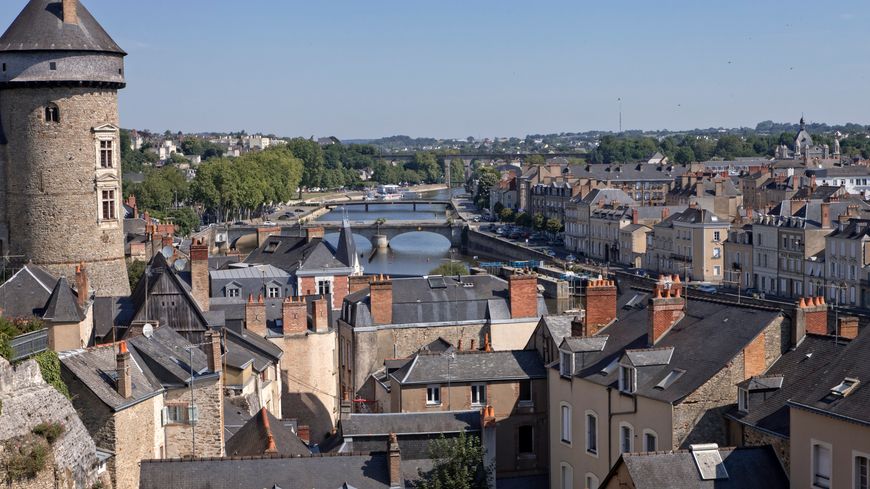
<point>60,194</point>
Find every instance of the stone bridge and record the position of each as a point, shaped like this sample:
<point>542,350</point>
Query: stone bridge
<point>398,205</point>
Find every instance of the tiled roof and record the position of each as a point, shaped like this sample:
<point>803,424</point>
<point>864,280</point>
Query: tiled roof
<point>265,434</point>
<point>471,367</point>
<point>96,369</point>
<point>26,293</point>
<point>358,425</point>
<point>40,27</point>
<point>62,306</point>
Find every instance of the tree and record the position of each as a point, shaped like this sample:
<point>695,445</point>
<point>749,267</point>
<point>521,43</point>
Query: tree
<point>539,222</point>
<point>457,172</point>
<point>535,160</point>
<point>684,155</point>
<point>506,215</point>
<point>458,464</point>
<point>487,178</point>
<point>135,270</point>
<point>523,219</point>
<point>426,165</point>
<point>450,268</point>
<point>497,208</point>
<point>554,227</point>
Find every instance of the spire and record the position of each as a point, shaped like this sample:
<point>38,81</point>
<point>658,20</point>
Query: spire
<point>346,250</point>
<point>803,123</point>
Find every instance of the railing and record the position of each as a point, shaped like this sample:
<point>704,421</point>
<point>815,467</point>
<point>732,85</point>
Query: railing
<point>29,344</point>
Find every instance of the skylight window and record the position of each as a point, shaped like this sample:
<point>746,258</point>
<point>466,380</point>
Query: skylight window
<point>610,368</point>
<point>845,387</point>
<point>670,379</point>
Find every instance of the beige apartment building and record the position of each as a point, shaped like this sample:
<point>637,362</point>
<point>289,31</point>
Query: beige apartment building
<point>690,244</point>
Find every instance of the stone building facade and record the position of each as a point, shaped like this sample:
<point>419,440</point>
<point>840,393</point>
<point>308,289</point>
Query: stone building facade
<point>59,147</point>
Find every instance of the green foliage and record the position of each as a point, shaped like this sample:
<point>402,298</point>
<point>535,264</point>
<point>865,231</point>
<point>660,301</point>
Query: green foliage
<point>160,190</point>
<point>10,328</point>
<point>135,270</point>
<point>487,177</point>
<point>539,222</point>
<point>457,172</point>
<point>200,147</point>
<point>458,464</point>
<point>524,220</point>
<point>497,208</point>
<point>535,160</point>
<point>426,166</point>
<point>24,458</point>
<point>49,431</point>
<point>506,215</point>
<point>450,268</point>
<point>554,226</point>
<point>49,366</point>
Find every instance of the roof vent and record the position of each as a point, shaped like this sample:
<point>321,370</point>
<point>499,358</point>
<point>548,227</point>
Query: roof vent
<point>846,387</point>
<point>709,461</point>
<point>670,379</point>
<point>610,367</point>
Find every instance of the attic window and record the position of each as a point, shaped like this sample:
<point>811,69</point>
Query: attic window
<point>271,247</point>
<point>845,387</point>
<point>566,364</point>
<point>670,379</point>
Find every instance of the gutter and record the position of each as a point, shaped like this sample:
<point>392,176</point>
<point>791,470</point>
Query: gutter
<point>610,415</point>
<point>827,413</point>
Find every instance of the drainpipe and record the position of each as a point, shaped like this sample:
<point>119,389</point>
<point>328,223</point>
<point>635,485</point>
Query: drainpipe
<point>610,415</point>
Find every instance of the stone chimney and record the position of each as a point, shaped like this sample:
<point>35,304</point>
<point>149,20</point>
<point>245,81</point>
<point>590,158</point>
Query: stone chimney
<point>720,188</point>
<point>70,11</point>
<point>811,316</point>
<point>523,290</point>
<point>578,327</point>
<point>381,299</point>
<point>320,314</point>
<point>199,280</point>
<point>314,233</point>
<point>122,367</point>
<point>255,316</point>
<point>600,305</point>
<point>355,283</point>
<point>82,292</point>
<point>848,327</point>
<point>666,308</point>
<point>263,233</point>
<point>395,463</point>
<point>294,315</point>
<point>666,213</point>
<point>212,349</point>
<point>699,189</point>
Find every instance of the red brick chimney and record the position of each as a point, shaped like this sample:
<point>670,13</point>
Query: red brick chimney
<point>212,349</point>
<point>82,292</point>
<point>395,462</point>
<point>600,305</point>
<point>355,283</point>
<point>199,280</point>
<point>123,384</point>
<point>294,315</point>
<point>523,290</point>
<point>303,431</point>
<point>70,11</point>
<point>263,233</point>
<point>811,316</point>
<point>255,316</point>
<point>314,233</point>
<point>320,315</point>
<point>666,212</point>
<point>635,216</point>
<point>666,308</point>
<point>848,327</point>
<point>826,214</point>
<point>381,299</point>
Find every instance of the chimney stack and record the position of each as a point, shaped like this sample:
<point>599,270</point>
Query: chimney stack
<point>320,315</point>
<point>294,315</point>
<point>213,350</point>
<point>70,11</point>
<point>381,300</point>
<point>811,316</point>
<point>314,233</point>
<point>666,308</point>
<point>600,305</point>
<point>303,431</point>
<point>199,280</point>
<point>395,462</point>
<point>635,216</point>
<point>122,367</point>
<point>523,290</point>
<point>848,327</point>
<point>355,283</point>
<point>255,316</point>
<point>577,327</point>
<point>82,292</point>
<point>666,213</point>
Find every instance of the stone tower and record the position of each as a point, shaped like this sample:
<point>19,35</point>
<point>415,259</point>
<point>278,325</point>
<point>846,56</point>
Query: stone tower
<point>60,193</point>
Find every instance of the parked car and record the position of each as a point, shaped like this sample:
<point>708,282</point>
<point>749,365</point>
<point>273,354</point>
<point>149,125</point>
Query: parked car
<point>269,223</point>
<point>710,289</point>
<point>754,293</point>
<point>640,272</point>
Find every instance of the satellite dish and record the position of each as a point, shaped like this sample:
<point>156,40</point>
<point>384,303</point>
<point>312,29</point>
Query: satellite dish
<point>167,251</point>
<point>148,330</point>
<point>180,264</point>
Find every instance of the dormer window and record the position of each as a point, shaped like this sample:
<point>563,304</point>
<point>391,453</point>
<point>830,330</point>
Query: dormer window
<point>566,364</point>
<point>627,379</point>
<point>743,400</point>
<point>52,113</point>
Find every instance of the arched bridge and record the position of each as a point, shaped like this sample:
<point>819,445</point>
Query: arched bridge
<point>393,204</point>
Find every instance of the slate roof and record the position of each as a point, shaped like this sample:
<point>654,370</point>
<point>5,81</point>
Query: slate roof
<point>607,195</point>
<point>296,254</point>
<point>748,468</point>
<point>360,425</point>
<point>628,172</point>
<point>326,472</point>
<point>250,347</point>
<point>703,342</point>
<point>585,344</point>
<point>821,192</point>
<point>110,312</point>
<point>853,362</point>
<point>165,353</point>
<point>26,293</point>
<point>346,251</point>
<point>559,327</point>
<point>62,306</point>
<point>698,216</point>
<point>96,369</point>
<point>855,229</point>
<point>252,439</point>
<point>420,300</point>
<point>799,369</point>
<point>40,27</point>
<point>253,272</point>
<point>472,367</point>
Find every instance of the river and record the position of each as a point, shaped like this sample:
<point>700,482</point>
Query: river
<point>409,254</point>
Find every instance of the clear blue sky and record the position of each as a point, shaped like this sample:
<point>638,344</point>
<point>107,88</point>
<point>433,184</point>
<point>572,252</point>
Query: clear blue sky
<point>371,68</point>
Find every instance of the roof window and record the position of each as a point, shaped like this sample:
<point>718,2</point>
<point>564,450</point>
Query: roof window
<point>669,379</point>
<point>846,387</point>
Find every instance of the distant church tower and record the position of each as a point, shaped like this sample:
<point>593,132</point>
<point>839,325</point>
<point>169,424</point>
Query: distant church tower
<point>60,158</point>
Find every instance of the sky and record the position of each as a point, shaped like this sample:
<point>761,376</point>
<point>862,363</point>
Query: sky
<point>484,68</point>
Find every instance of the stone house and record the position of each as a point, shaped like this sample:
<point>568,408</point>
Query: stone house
<point>655,377</point>
<point>252,370</point>
<point>512,383</point>
<point>738,257</point>
<point>689,243</point>
<point>578,212</point>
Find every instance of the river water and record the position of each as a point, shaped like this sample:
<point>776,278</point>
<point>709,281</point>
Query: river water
<point>409,254</point>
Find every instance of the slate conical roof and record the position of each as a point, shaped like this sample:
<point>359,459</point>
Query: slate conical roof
<point>62,306</point>
<point>346,251</point>
<point>40,27</point>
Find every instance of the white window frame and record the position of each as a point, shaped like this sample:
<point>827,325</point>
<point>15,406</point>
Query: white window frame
<point>566,369</point>
<point>855,456</point>
<point>273,291</point>
<point>567,475</point>
<point>476,398</point>
<point>655,436</point>
<point>233,291</point>
<point>433,395</point>
<point>565,426</point>
<point>622,448</point>
<point>743,400</point>
<point>813,444</point>
<point>628,386</point>
<point>593,451</point>
<point>114,199</point>
<point>591,481</point>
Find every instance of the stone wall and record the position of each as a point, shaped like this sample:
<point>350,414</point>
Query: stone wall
<point>310,381</point>
<point>51,195</point>
<point>28,401</point>
<point>134,432</point>
<point>209,430</point>
<point>756,438</point>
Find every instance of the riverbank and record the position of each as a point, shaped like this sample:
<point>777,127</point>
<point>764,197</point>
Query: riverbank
<point>333,197</point>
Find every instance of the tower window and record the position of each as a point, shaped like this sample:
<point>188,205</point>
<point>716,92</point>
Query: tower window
<point>4,67</point>
<point>106,154</point>
<point>108,205</point>
<point>52,66</point>
<point>52,113</point>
